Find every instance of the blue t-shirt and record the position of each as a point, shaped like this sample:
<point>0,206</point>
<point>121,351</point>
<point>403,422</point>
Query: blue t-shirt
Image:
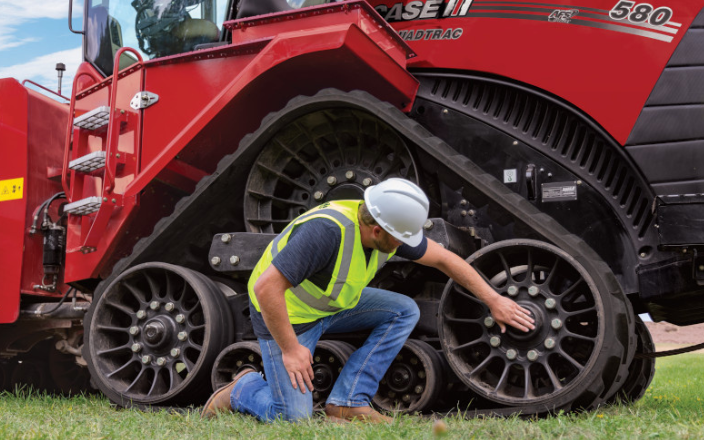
<point>310,254</point>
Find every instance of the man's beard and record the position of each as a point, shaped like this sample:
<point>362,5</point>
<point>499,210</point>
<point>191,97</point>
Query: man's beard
<point>385,245</point>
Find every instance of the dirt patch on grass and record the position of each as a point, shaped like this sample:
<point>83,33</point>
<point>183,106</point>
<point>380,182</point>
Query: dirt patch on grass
<point>668,336</point>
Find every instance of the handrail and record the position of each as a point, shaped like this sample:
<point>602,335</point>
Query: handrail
<point>70,20</point>
<point>69,132</point>
<point>45,88</point>
<point>109,182</point>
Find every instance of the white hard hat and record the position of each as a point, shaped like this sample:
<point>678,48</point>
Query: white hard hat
<point>400,207</point>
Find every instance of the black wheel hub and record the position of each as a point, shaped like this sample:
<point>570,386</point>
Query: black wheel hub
<point>323,378</point>
<point>160,332</point>
<point>533,335</point>
<point>400,378</point>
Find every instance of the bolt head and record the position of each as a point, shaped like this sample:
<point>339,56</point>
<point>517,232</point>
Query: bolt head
<point>234,260</point>
<point>489,322</point>
<point>701,268</point>
<point>463,202</point>
<point>512,290</point>
<point>161,361</point>
<point>421,374</point>
<point>428,225</point>
<point>332,180</point>
<point>175,352</point>
<point>556,324</point>
<point>180,318</point>
<point>146,359</point>
<point>170,307</point>
<point>349,175</point>
<point>533,291</point>
<point>550,303</point>
<point>367,181</point>
<point>136,348</point>
<point>471,212</point>
<point>154,305</point>
<point>418,389</point>
<point>445,111</point>
<point>463,213</point>
<point>226,238</point>
<point>406,398</point>
<point>549,343</point>
<point>511,354</point>
<point>391,394</point>
<point>134,330</point>
<point>532,355</point>
<point>182,336</point>
<point>141,314</point>
<point>318,195</point>
<point>215,261</point>
<point>495,341</point>
<point>239,363</point>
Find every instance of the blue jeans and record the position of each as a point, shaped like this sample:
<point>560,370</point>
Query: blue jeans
<point>390,316</point>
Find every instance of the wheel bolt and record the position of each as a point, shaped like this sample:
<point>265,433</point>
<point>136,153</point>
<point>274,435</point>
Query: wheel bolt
<point>226,238</point>
<point>146,359</point>
<point>391,394</point>
<point>136,348</point>
<point>161,361</point>
<point>418,389</point>
<point>421,374</point>
<point>154,305</point>
<point>169,307</point>
<point>406,398</point>
<point>367,181</point>
<point>180,318</point>
<point>317,359</point>
<point>234,260</point>
<point>532,355</point>
<point>511,354</point>
<point>550,303</point>
<point>175,352</point>
<point>331,360</point>
<point>239,363</point>
<point>533,291</point>
<point>414,361</point>
<point>141,314</point>
<point>332,180</point>
<point>318,195</point>
<point>350,175</point>
<point>549,343</point>
<point>495,341</point>
<point>134,330</point>
<point>428,225</point>
<point>488,322</point>
<point>512,290</point>
<point>182,336</point>
<point>316,396</point>
<point>215,261</point>
<point>556,324</point>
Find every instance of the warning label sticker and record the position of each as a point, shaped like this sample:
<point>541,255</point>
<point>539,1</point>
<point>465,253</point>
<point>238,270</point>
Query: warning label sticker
<point>11,189</point>
<point>559,191</point>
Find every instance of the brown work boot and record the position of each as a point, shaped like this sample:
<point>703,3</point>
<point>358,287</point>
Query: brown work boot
<point>220,400</point>
<point>362,413</point>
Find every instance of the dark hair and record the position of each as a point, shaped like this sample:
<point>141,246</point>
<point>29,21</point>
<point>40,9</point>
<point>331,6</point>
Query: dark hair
<point>366,216</point>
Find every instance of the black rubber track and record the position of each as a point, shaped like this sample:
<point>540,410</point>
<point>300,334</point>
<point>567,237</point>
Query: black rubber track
<point>198,207</point>
<point>642,369</point>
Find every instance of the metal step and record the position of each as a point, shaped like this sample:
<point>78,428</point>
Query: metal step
<point>89,162</point>
<point>94,119</point>
<point>84,206</point>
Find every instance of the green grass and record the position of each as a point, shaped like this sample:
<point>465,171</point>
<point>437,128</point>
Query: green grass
<point>673,407</point>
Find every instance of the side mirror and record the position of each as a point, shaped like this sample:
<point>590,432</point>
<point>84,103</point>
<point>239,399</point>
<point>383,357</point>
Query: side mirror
<point>70,18</point>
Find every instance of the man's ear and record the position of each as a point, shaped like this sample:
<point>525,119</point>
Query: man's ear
<point>376,232</point>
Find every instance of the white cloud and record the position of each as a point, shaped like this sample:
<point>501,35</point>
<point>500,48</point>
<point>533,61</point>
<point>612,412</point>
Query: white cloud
<point>14,14</point>
<point>43,69</point>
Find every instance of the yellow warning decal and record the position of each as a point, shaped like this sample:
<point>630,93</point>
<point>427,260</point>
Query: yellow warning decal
<point>11,189</point>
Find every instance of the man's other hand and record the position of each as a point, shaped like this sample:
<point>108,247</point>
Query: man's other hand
<point>506,311</point>
<point>298,362</point>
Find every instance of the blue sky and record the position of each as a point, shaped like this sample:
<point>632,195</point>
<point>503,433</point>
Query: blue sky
<point>34,36</point>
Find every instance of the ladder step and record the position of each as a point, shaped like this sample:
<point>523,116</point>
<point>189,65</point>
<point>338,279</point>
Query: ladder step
<point>89,162</point>
<point>94,119</point>
<point>84,206</point>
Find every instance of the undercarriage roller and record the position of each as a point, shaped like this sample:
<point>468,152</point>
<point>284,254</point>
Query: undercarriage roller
<point>69,378</point>
<point>413,381</point>
<point>32,374</point>
<point>559,364</point>
<point>154,333</point>
<point>641,370</point>
<point>234,359</point>
<point>328,360</point>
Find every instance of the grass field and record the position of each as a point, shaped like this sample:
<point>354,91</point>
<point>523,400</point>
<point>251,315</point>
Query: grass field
<point>672,408</point>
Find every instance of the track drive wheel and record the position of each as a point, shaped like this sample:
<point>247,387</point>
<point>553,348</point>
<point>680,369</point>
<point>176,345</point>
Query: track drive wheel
<point>641,370</point>
<point>328,360</point>
<point>413,381</point>
<point>153,334</point>
<point>572,357</point>
<point>235,358</point>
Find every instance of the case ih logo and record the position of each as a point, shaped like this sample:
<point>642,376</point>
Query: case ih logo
<point>559,16</point>
<point>423,10</point>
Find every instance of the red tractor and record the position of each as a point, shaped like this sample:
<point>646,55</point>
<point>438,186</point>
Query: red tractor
<point>561,146</point>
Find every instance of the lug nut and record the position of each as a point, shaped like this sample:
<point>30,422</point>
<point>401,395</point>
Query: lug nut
<point>556,324</point>
<point>350,175</point>
<point>512,290</point>
<point>511,354</point>
<point>550,303</point>
<point>471,212</point>
<point>418,389</point>
<point>367,181</point>
<point>226,238</point>
<point>141,314</point>
<point>146,359</point>
<point>318,195</point>
<point>136,348</point>
<point>391,394</point>
<point>154,305</point>
<point>428,225</point>
<point>134,330</point>
<point>533,291</point>
<point>175,352</point>
<point>463,202</point>
<point>421,374</point>
<point>180,318</point>
<point>317,359</point>
<point>495,341</point>
<point>414,361</point>
<point>463,213</point>
<point>234,260</point>
<point>331,360</point>
<point>332,180</point>
<point>488,322</point>
<point>182,336</point>
<point>161,361</point>
<point>316,395</point>
<point>239,363</point>
<point>169,307</point>
<point>532,355</point>
<point>549,343</point>
<point>406,398</point>
<point>215,261</point>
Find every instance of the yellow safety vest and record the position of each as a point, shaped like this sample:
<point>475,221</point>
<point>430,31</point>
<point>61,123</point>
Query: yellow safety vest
<point>307,302</point>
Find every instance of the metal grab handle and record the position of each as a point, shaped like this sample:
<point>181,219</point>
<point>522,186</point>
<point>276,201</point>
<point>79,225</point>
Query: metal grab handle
<point>45,88</point>
<point>70,19</point>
